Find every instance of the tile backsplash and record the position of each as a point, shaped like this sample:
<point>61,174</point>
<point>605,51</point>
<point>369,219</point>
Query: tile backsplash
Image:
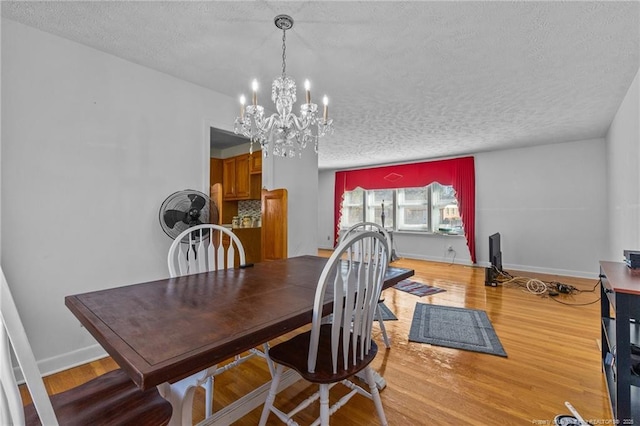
<point>249,208</point>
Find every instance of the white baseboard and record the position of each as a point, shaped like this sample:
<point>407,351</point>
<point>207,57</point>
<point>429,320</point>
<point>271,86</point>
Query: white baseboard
<point>65,361</point>
<point>551,271</point>
<point>507,267</point>
<point>466,262</point>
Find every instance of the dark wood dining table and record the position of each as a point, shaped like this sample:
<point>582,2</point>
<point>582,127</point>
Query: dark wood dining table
<point>162,331</point>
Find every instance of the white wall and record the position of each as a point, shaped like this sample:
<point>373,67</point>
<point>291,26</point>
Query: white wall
<point>233,151</point>
<point>546,202</point>
<point>300,177</point>
<point>326,188</point>
<point>623,166</point>
<point>91,146</point>
<point>0,141</point>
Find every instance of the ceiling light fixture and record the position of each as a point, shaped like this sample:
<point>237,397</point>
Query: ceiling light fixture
<point>283,134</point>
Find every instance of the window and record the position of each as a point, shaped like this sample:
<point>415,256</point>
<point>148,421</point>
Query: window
<point>352,208</point>
<point>457,172</point>
<point>413,209</point>
<point>375,199</point>
<point>444,211</point>
<point>432,208</point>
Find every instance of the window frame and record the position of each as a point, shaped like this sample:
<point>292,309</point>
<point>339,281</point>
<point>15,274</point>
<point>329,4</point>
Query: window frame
<point>399,206</point>
<point>396,210</point>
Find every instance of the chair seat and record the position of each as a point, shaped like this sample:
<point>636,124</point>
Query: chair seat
<point>294,354</point>
<point>109,399</point>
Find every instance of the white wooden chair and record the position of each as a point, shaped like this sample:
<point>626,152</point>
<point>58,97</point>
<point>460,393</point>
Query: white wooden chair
<point>371,226</point>
<point>332,353</point>
<point>200,249</point>
<point>108,399</point>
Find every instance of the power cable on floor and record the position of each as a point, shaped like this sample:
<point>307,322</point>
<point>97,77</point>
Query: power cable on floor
<point>538,287</point>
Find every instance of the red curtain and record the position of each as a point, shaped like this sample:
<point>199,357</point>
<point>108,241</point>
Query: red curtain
<point>458,172</point>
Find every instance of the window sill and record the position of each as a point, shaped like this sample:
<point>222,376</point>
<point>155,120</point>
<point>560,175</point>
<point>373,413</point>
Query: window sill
<point>429,234</point>
<point>423,233</point>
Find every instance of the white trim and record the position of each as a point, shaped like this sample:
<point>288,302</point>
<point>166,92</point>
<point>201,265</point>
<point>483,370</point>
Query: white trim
<point>465,262</point>
<point>206,155</point>
<point>507,267</point>
<point>551,271</point>
<point>66,361</point>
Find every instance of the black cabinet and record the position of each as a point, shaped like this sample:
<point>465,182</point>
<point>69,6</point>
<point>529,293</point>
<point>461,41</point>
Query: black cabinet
<point>620,311</point>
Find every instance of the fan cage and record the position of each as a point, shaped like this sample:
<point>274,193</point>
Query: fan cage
<point>182,201</point>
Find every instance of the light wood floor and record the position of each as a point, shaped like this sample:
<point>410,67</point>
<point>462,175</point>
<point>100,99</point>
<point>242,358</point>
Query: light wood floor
<point>553,357</point>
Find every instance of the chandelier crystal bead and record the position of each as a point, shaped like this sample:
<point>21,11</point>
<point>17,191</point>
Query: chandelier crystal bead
<point>284,134</point>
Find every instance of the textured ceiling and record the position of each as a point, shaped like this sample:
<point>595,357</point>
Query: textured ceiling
<point>407,80</point>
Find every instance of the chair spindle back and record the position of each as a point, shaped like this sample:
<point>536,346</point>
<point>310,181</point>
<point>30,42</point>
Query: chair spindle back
<point>355,274</point>
<point>201,249</point>
<point>366,226</point>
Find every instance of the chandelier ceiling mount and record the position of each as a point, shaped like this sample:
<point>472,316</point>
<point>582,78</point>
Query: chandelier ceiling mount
<point>283,22</point>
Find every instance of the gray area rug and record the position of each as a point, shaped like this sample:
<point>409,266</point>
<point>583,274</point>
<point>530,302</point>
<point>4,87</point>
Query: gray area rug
<point>459,328</point>
<point>417,289</point>
<point>387,314</point>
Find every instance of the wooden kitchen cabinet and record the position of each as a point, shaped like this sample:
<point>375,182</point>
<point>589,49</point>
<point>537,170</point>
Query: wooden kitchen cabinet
<point>255,163</point>
<point>215,171</point>
<point>229,178</point>
<point>251,239</point>
<point>236,180</point>
<point>274,224</point>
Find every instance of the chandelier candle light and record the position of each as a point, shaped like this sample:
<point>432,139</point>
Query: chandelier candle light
<point>283,133</point>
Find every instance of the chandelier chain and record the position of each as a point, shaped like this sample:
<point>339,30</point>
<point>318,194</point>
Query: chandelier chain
<point>284,53</point>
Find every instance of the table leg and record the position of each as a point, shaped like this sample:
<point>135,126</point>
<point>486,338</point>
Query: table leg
<point>182,402</point>
<point>178,398</point>
<point>242,406</point>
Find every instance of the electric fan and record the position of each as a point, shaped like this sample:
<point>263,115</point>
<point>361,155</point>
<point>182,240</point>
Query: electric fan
<point>184,209</point>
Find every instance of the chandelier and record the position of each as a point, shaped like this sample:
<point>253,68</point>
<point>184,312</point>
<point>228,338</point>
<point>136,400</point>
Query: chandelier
<point>283,133</point>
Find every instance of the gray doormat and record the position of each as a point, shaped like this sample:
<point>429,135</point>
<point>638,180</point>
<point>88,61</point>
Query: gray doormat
<point>460,328</point>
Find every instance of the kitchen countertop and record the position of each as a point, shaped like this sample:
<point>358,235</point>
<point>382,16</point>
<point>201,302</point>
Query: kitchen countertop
<point>240,227</point>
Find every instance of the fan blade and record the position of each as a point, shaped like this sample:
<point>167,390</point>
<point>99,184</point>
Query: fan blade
<point>197,201</point>
<point>171,217</point>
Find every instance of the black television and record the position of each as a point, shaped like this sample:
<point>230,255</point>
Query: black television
<point>495,254</point>
<point>495,257</point>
